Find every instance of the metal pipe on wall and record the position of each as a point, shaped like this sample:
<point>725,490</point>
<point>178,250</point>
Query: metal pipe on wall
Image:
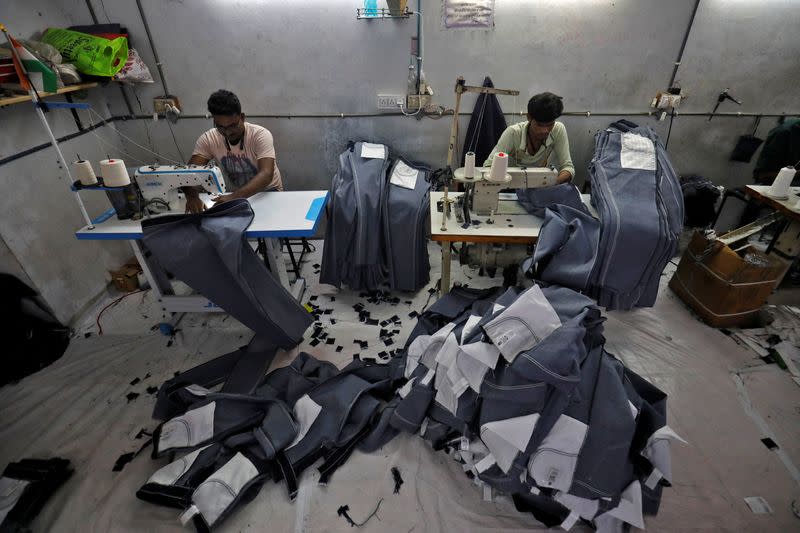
<point>683,44</point>
<point>39,147</point>
<point>95,20</point>
<point>153,47</point>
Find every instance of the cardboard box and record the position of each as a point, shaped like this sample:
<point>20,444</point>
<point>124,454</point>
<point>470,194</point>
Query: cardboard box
<point>126,278</point>
<point>725,287</point>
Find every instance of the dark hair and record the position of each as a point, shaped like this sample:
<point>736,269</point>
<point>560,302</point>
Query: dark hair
<point>224,102</point>
<point>545,107</point>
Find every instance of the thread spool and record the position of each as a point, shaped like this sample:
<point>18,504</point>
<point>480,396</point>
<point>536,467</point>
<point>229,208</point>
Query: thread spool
<point>469,165</point>
<point>499,167</point>
<point>114,173</point>
<point>85,172</point>
<point>780,187</point>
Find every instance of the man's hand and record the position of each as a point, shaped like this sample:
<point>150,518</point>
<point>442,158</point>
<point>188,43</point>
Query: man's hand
<point>222,198</point>
<point>193,203</point>
<point>563,177</point>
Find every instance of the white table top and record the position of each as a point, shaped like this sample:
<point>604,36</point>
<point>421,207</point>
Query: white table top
<point>518,226</point>
<point>277,215</point>
<point>788,203</point>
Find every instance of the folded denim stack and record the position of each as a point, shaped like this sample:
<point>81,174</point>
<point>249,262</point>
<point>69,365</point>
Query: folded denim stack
<point>376,232</point>
<point>619,258</point>
<point>519,386</point>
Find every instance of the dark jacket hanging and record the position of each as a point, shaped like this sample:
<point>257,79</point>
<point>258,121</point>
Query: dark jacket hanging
<point>485,126</point>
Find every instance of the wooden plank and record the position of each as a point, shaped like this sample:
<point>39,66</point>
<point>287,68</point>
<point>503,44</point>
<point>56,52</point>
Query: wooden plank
<point>27,98</point>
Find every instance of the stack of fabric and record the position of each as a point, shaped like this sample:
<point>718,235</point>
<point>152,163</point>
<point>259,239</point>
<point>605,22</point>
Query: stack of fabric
<point>619,258</point>
<point>519,386</point>
<point>376,222</point>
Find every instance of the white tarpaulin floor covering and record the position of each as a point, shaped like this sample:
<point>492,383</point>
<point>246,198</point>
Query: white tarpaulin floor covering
<point>77,408</point>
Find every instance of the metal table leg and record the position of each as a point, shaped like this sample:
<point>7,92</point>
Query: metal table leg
<point>278,267</point>
<point>444,286</point>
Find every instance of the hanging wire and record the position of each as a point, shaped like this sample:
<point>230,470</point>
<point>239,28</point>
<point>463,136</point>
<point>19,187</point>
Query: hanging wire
<point>141,110</point>
<point>137,144</point>
<point>177,147</point>
<point>102,142</point>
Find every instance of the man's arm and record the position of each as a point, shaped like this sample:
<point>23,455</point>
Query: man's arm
<point>504,144</point>
<point>257,184</point>
<point>561,149</point>
<point>193,202</point>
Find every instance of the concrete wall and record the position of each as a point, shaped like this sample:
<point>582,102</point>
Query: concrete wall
<point>38,215</point>
<point>608,57</point>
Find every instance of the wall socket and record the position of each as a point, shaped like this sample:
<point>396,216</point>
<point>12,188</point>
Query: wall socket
<point>391,101</point>
<point>160,103</point>
<point>415,101</point>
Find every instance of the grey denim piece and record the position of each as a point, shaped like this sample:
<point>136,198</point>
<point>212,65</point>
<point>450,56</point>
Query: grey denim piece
<point>353,252</point>
<point>535,201</point>
<point>566,251</point>
<point>406,216</point>
<point>210,253</point>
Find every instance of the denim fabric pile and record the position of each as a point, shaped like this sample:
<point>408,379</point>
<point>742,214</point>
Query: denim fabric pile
<point>619,258</point>
<point>515,383</point>
<point>518,387</point>
<point>376,233</point>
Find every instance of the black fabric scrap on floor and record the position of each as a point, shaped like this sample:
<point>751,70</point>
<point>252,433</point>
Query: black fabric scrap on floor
<point>132,396</point>
<point>343,510</point>
<point>398,479</point>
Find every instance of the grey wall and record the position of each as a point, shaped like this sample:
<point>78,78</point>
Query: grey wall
<point>607,57</point>
<point>602,56</point>
<point>38,215</point>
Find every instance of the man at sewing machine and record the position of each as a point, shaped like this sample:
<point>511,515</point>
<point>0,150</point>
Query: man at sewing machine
<point>540,140</point>
<point>244,151</point>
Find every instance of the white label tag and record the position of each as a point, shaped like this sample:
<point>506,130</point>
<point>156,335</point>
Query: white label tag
<point>404,176</point>
<point>188,515</point>
<point>653,479</point>
<point>570,521</point>
<point>758,505</point>
<point>637,152</point>
<point>373,151</point>
<point>487,493</point>
<point>423,427</point>
<point>485,463</point>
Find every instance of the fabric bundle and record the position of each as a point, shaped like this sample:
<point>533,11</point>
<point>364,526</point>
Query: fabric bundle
<point>376,232</point>
<point>518,386</point>
<point>230,444</point>
<point>619,258</point>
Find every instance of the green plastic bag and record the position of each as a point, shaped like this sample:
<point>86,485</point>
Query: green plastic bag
<point>90,54</point>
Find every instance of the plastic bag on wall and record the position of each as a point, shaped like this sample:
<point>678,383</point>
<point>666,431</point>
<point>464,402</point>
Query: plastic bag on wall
<point>135,70</point>
<point>90,54</point>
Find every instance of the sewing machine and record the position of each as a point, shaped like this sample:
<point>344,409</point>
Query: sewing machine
<point>485,196</point>
<point>160,185</point>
